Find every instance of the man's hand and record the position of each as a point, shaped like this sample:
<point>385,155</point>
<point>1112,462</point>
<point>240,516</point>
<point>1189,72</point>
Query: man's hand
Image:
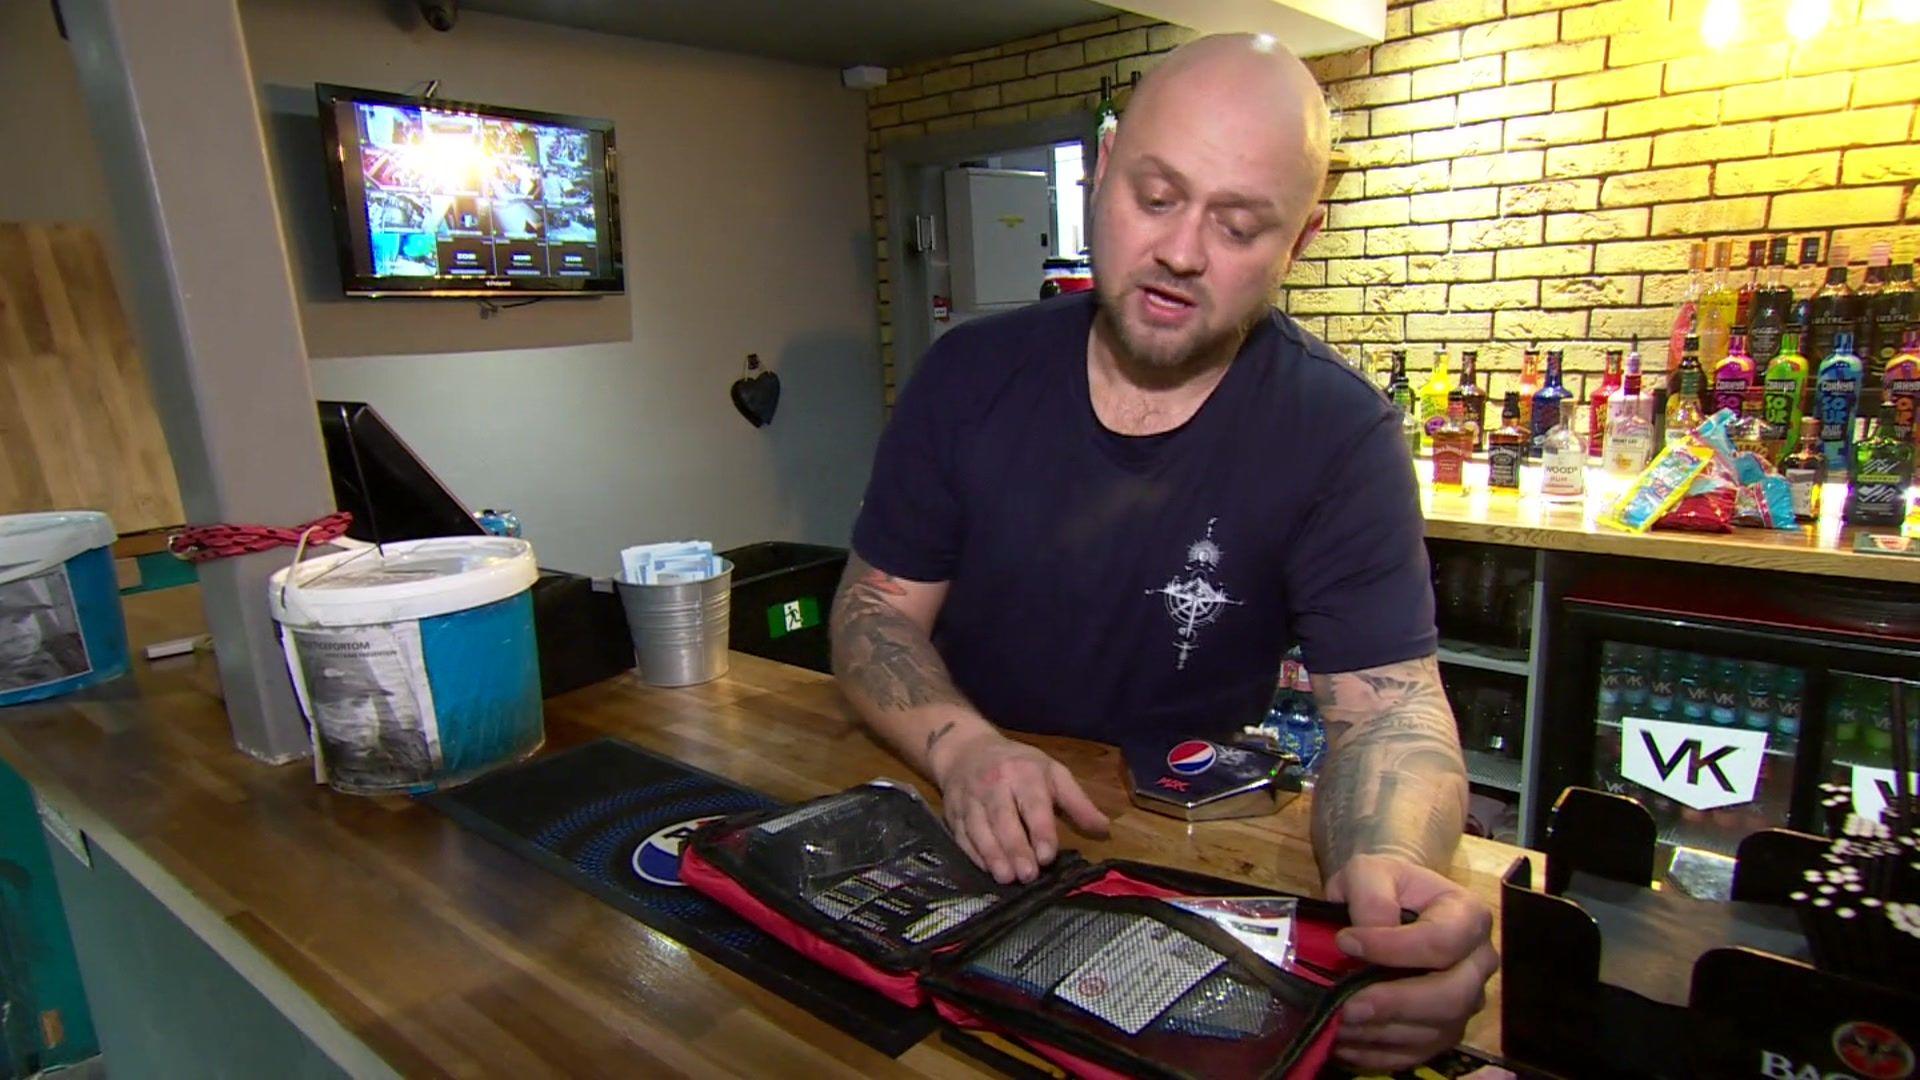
<point>1398,1024</point>
<point>999,797</point>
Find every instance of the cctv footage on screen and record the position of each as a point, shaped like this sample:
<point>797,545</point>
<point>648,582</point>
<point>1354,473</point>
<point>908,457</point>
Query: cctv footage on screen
<point>453,196</point>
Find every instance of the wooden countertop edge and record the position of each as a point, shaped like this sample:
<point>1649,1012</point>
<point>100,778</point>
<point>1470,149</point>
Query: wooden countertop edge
<point>302,1010</point>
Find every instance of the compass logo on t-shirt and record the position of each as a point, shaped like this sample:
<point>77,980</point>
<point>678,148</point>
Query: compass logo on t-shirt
<point>1194,598</point>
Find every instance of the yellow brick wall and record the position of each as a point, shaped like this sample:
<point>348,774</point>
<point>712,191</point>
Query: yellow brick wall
<point>1525,170</point>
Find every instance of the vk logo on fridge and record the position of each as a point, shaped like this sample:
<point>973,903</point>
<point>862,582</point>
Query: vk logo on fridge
<point>1192,757</point>
<point>1696,765</point>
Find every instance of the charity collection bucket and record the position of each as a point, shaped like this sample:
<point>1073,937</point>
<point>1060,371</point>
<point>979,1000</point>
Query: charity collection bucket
<point>414,662</point>
<point>61,628</point>
<point>680,630</point>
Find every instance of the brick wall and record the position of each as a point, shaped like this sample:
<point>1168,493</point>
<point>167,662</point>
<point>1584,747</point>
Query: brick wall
<point>1525,170</point>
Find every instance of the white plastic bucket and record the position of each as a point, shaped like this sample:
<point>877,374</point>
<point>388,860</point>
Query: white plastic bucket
<point>415,663</point>
<point>61,627</point>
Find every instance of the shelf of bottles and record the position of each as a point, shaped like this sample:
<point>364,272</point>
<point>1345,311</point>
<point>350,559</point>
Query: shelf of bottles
<point>1640,681</point>
<point>1823,379</point>
<point>1859,744</point>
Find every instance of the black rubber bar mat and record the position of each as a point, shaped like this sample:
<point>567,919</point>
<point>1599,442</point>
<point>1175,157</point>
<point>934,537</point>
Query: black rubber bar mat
<point>609,817</point>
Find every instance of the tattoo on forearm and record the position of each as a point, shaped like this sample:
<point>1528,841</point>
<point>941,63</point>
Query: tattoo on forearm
<point>939,733</point>
<point>881,655</point>
<point>1392,781</point>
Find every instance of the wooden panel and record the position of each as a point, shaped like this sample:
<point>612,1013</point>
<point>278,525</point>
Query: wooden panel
<point>384,923</point>
<point>76,410</point>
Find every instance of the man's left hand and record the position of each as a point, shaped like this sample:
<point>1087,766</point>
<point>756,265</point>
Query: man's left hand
<point>1402,1022</point>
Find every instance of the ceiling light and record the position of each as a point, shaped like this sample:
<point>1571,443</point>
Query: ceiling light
<point>1720,23</point>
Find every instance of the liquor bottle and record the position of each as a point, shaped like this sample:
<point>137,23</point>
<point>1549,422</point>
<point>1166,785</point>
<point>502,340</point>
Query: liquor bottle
<point>1686,318</point>
<point>1805,471</point>
<point>1833,308</point>
<point>1696,688</point>
<point>1882,469</point>
<point>1768,319</point>
<point>1398,389</point>
<point>1563,476</point>
<point>1889,314</point>
<point>1837,400</point>
<point>1507,448</point>
<point>1789,703</point>
<point>1452,446</point>
<point>1433,397</point>
<point>1902,386</point>
<point>1807,275</point>
<point>1756,699</point>
<point>1717,307</point>
<point>1473,397</point>
<point>1866,328</point>
<point>1786,386</point>
<point>1683,402</point>
<point>1597,409</point>
<point>1723,694</point>
<point>1663,686</point>
<point>1743,304</point>
<point>1733,380</point>
<point>1529,384</point>
<point>1106,118</point>
<point>1629,442</point>
<point>1546,403</point>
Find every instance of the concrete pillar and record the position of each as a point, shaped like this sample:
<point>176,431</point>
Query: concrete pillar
<point>171,101</point>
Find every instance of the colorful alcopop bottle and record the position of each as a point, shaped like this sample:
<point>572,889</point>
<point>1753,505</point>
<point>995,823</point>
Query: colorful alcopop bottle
<point>1786,385</point>
<point>1902,382</point>
<point>1836,400</point>
<point>1733,376</point>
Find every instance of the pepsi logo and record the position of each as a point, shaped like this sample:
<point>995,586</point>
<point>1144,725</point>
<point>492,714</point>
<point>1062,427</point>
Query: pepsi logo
<point>1192,757</point>
<point>657,859</point>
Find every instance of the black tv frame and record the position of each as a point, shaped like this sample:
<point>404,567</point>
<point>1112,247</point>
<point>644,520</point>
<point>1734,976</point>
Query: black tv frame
<point>356,283</point>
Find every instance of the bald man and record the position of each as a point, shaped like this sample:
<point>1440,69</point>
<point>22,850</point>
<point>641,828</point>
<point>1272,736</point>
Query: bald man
<point>1109,515</point>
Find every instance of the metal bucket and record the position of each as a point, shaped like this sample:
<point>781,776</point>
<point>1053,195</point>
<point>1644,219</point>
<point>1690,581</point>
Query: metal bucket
<point>680,631</point>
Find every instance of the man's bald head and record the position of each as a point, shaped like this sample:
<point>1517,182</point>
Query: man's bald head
<point>1250,86</point>
<point>1203,197</point>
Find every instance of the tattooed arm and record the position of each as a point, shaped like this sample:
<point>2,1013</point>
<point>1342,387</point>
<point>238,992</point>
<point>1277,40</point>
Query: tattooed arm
<point>997,795</point>
<point>1387,813</point>
<point>1392,781</point>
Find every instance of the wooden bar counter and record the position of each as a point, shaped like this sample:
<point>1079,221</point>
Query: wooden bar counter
<point>399,943</point>
<point>1479,516</point>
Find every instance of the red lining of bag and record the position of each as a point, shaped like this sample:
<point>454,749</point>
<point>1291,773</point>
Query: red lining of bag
<point>706,878</point>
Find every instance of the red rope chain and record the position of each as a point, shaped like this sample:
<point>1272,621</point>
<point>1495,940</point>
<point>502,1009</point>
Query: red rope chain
<point>201,543</point>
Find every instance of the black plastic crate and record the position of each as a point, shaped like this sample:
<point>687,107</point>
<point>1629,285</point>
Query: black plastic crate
<point>782,594</point>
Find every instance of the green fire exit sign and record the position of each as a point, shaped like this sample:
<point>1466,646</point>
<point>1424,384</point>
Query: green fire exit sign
<point>784,619</point>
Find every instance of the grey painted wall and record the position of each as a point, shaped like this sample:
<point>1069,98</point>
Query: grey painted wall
<point>605,421</point>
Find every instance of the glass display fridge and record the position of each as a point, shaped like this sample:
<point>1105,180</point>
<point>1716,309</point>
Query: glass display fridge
<point>1722,710</point>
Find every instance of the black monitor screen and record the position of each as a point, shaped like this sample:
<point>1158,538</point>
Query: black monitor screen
<point>378,478</point>
<point>444,198</point>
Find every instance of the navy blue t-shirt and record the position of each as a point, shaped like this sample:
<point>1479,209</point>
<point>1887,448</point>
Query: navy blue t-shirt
<point>1107,586</point>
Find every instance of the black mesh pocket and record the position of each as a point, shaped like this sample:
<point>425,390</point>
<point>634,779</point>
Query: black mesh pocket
<point>870,868</point>
<point>1141,986</point>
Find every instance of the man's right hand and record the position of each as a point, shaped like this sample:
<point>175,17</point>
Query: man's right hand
<point>999,797</point>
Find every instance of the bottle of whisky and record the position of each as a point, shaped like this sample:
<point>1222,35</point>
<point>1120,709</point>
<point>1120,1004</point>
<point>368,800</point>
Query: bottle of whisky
<point>1472,397</point>
<point>1529,383</point>
<point>1452,446</point>
<point>1507,448</point>
<point>1805,471</point>
<point>1882,469</point>
<point>1563,476</point>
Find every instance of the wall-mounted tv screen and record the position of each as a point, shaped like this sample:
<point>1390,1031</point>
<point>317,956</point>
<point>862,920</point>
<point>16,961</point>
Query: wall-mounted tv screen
<point>443,198</point>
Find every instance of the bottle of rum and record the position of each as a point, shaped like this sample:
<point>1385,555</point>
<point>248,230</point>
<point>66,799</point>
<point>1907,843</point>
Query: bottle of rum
<point>1733,377</point>
<point>1718,306</point>
<point>1836,399</point>
<point>1507,448</point>
<point>1800,315</point>
<point>1546,402</point>
<point>1768,319</point>
<point>1686,318</point>
<point>1902,386</point>
<point>1452,446</point>
<point>1781,400</point>
<point>1805,471</point>
<point>1882,469</point>
<point>1889,314</point>
<point>1683,401</point>
<point>1833,309</point>
<point>1743,305</point>
<point>1563,476</point>
<point>1610,380</point>
<point>1473,397</point>
<point>1629,443</point>
<point>1433,397</point>
<point>1529,383</point>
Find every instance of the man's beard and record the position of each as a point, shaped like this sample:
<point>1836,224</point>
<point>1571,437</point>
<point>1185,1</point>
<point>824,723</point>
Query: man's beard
<point>1165,357</point>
